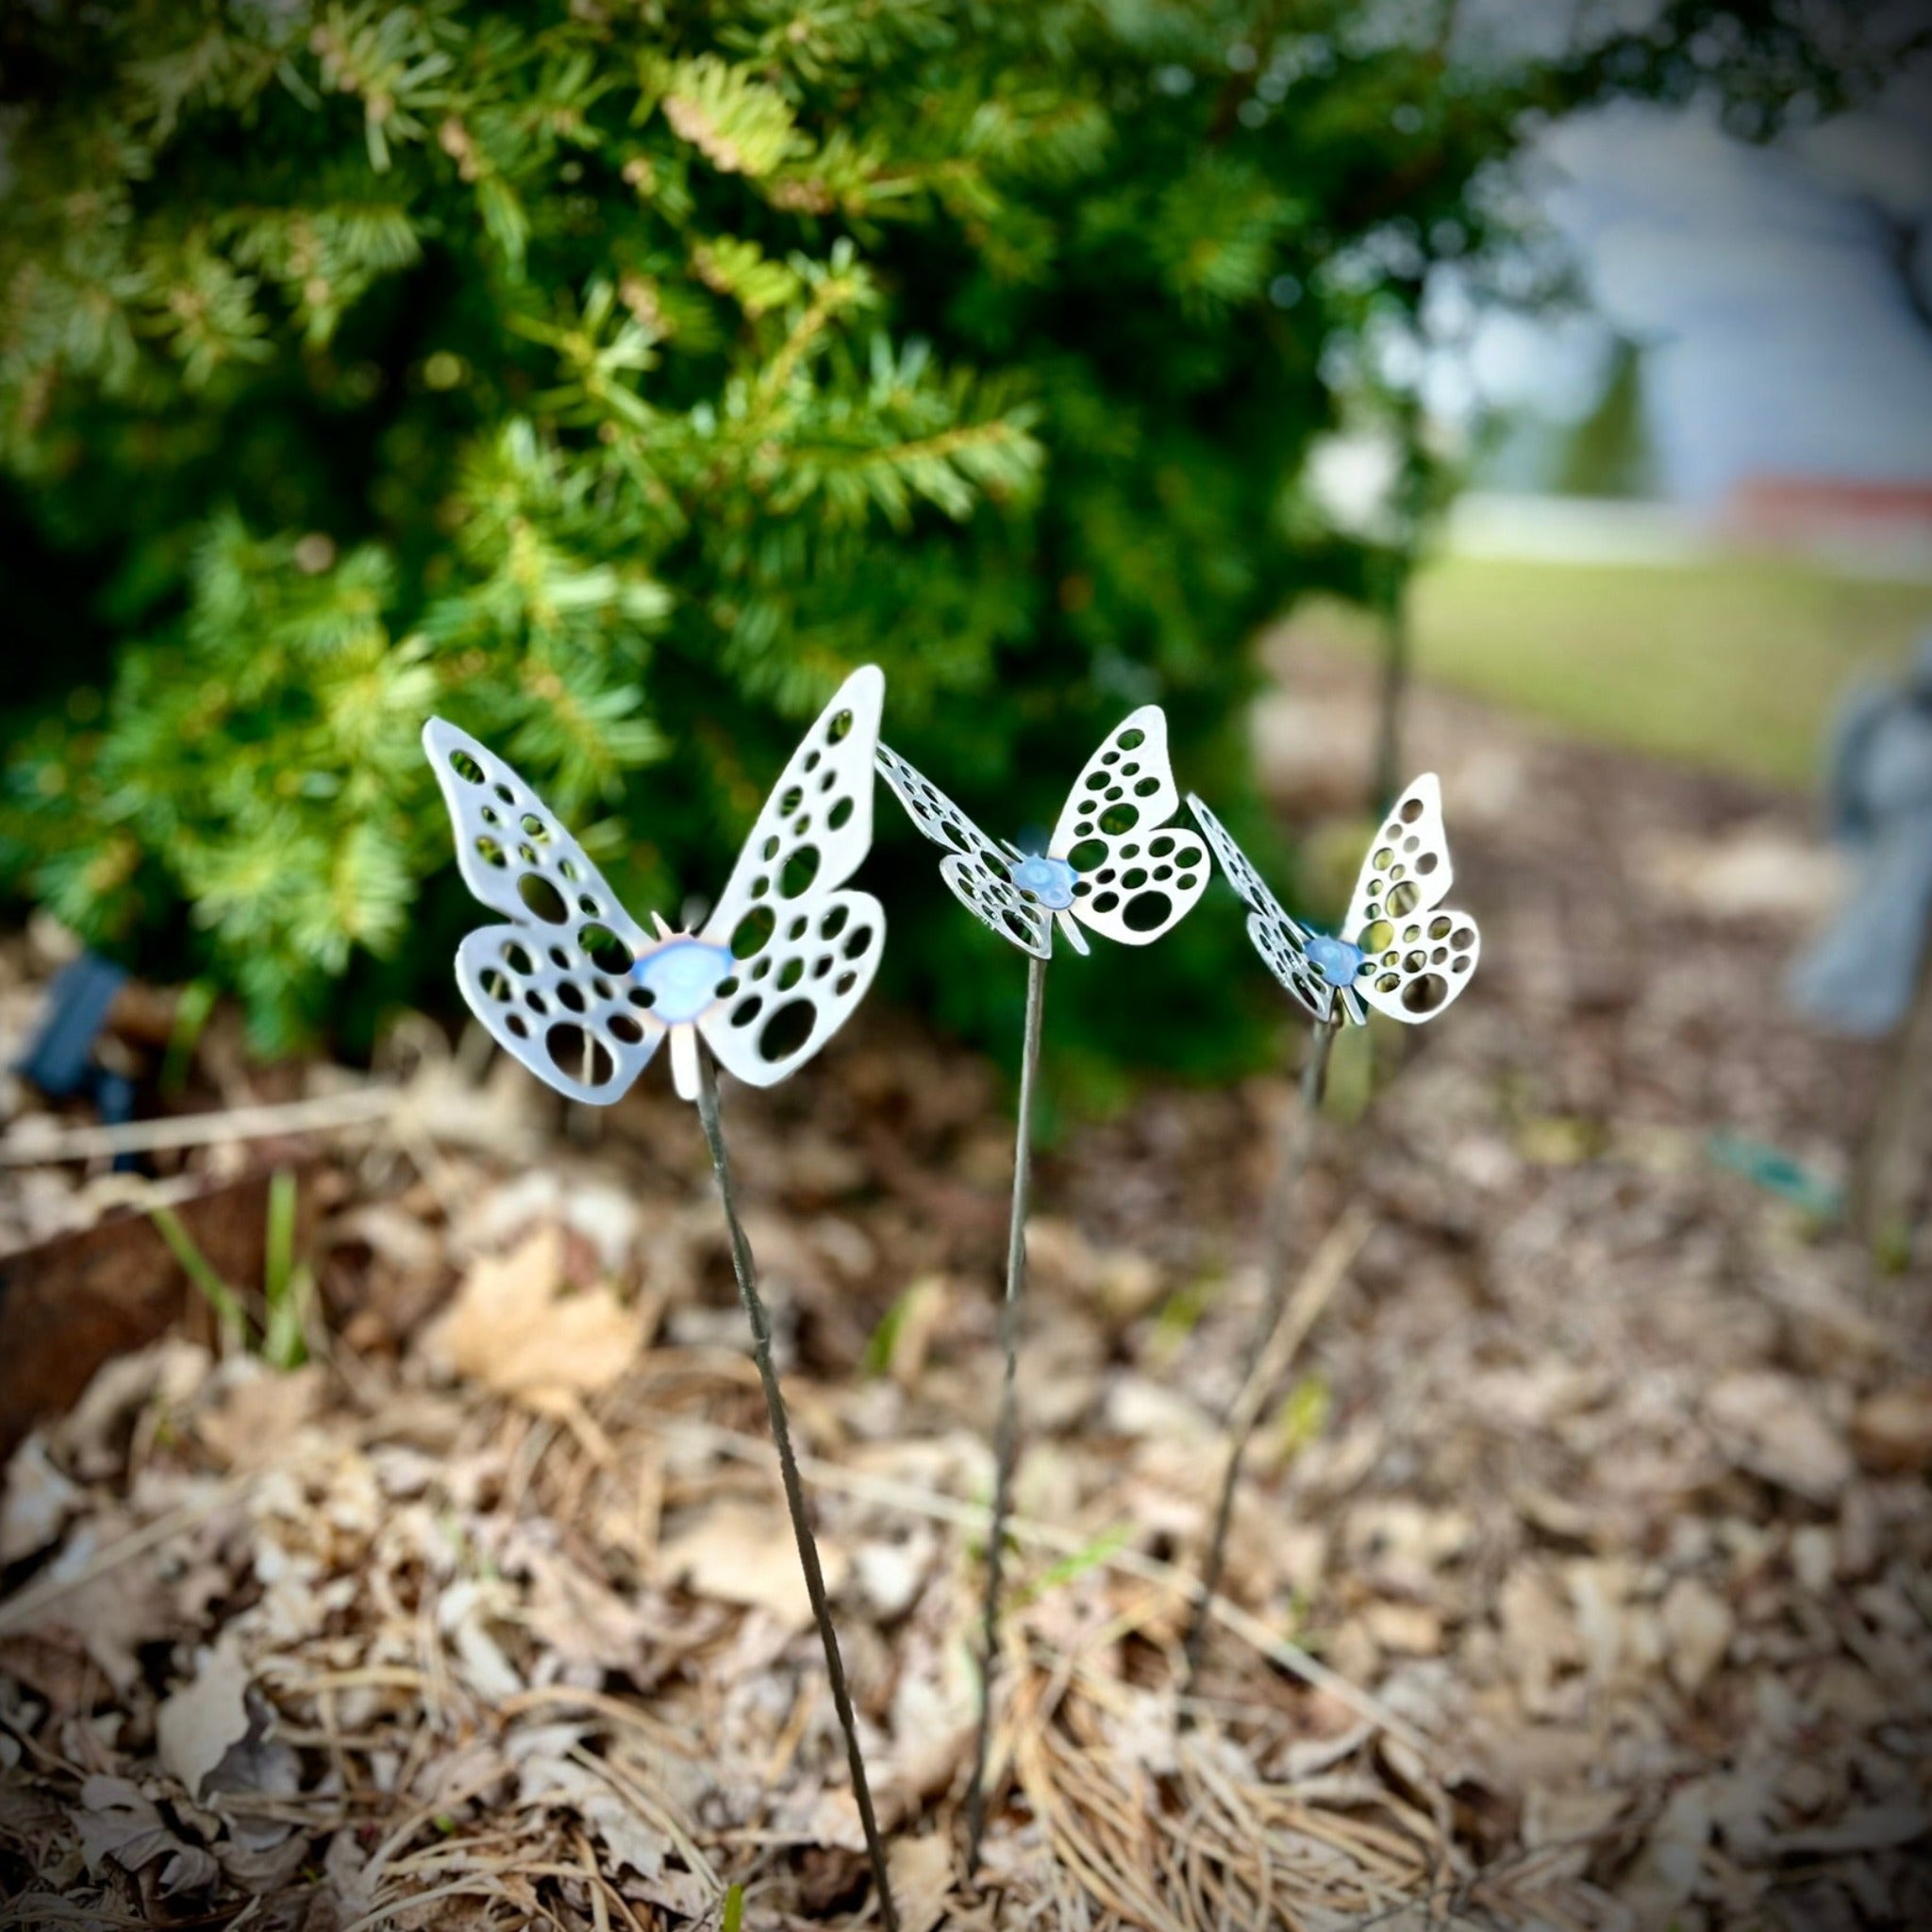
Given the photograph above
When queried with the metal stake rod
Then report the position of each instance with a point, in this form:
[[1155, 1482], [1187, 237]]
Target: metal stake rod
[[1245, 1412], [1006, 1429], [1879, 1195], [794, 1487]]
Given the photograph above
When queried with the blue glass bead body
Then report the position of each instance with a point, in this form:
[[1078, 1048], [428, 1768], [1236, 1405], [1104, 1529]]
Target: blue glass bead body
[[1336, 960], [1049, 880], [682, 977]]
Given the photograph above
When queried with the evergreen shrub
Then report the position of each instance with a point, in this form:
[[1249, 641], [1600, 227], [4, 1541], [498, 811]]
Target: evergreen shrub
[[613, 376]]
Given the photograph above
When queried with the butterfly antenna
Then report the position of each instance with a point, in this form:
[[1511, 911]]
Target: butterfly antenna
[[760, 1322], [1246, 1410], [1006, 1429]]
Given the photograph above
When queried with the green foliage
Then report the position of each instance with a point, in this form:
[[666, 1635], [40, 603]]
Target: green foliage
[[615, 374], [280, 1317]]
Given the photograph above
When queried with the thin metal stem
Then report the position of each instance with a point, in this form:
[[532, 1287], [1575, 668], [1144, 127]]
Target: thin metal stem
[[1876, 1198], [1298, 1140], [1007, 1429], [795, 1487]]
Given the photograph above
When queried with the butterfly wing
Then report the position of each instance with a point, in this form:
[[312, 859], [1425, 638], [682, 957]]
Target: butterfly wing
[[986, 891], [1422, 953], [1278, 939], [553, 987], [575, 1027], [979, 874], [807, 949], [1138, 876]]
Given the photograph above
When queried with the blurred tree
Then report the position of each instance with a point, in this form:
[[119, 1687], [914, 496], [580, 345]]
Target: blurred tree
[[1609, 451], [1904, 237], [616, 373]]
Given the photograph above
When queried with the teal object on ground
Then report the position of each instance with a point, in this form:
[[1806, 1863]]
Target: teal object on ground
[[1778, 1173]]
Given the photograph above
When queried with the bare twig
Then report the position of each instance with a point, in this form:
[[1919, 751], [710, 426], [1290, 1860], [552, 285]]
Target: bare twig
[[357, 1107], [1297, 1143], [1006, 1429], [23, 1611], [794, 1489]]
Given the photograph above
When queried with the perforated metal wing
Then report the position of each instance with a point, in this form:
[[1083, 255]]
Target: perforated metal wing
[[552, 985], [807, 949], [1421, 953], [979, 873], [1280, 939], [1138, 876]]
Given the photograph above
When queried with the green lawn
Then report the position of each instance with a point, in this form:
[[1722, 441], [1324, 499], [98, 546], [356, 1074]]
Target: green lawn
[[1735, 664]]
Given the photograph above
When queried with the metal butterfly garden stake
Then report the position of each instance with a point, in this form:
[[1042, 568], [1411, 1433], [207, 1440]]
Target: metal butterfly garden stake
[[1116, 867], [574, 987], [1401, 952]]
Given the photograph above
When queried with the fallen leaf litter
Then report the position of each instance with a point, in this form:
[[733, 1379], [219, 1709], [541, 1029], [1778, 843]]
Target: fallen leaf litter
[[1596, 1499]]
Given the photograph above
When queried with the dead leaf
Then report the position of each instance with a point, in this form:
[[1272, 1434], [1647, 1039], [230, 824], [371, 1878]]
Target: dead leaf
[[739, 1553], [1599, 1590], [1671, 1863], [38, 1500], [1124, 1282], [548, 1772], [892, 1574], [1697, 1624], [933, 1716], [391, 1233], [468, 1607], [579, 1618], [1400, 1534], [608, 1217], [501, 1115], [261, 1410], [1892, 1431], [921, 1872], [1412, 1628], [91, 1439], [117, 1823], [1136, 1406], [196, 1725], [56, 1665], [1555, 1517], [1877, 1830], [1563, 1815], [1814, 1556], [513, 1328], [115, 1608], [1769, 1425], [1538, 1634]]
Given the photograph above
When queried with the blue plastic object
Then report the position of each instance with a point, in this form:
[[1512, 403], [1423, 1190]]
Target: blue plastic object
[[1336, 960], [683, 978], [59, 1059], [1050, 881]]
